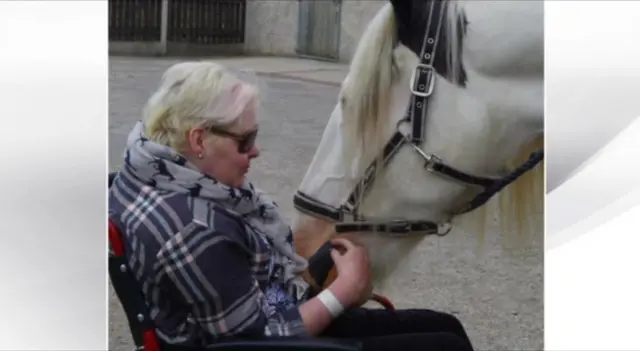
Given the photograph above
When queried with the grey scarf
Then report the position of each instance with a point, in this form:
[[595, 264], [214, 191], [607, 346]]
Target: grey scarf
[[169, 170]]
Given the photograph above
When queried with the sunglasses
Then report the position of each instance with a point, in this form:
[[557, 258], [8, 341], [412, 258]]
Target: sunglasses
[[245, 141]]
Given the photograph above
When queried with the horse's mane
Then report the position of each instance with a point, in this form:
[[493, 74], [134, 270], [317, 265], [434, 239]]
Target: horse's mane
[[364, 97], [379, 62]]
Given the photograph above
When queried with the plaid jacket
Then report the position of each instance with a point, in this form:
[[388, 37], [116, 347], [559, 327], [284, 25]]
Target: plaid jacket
[[203, 276]]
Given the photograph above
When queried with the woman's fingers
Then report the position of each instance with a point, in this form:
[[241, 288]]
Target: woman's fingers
[[343, 242]]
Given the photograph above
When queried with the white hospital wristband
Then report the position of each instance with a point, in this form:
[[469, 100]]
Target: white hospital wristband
[[331, 302]]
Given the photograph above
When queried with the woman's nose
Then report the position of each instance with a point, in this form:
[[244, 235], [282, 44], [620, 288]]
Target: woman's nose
[[254, 152]]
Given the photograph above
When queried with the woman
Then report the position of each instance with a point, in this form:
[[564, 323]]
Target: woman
[[211, 252]]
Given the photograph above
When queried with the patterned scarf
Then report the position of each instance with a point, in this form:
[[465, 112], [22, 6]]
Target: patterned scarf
[[168, 170]]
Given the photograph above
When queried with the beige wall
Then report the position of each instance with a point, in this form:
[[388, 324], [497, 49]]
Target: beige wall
[[271, 28], [356, 15], [272, 25]]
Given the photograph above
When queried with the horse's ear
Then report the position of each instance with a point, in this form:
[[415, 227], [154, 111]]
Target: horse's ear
[[402, 9]]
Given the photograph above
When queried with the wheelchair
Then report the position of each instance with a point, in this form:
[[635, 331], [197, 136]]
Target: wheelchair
[[143, 331]]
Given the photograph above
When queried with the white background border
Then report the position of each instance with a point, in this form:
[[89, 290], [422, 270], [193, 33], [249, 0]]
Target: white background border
[[53, 105], [592, 258], [53, 89]]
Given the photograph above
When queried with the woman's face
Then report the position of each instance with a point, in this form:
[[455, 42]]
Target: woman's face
[[227, 154]]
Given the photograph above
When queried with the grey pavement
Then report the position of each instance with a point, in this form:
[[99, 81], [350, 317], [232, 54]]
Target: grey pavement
[[497, 293]]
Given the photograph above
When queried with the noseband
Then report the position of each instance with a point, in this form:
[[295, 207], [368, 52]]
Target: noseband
[[422, 87]]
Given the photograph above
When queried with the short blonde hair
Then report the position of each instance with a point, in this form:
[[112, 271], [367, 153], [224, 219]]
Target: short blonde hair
[[195, 94]]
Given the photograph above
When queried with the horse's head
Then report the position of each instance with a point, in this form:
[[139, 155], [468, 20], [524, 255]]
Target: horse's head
[[442, 106]]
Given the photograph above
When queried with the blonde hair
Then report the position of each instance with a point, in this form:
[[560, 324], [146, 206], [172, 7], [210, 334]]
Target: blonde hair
[[194, 94]]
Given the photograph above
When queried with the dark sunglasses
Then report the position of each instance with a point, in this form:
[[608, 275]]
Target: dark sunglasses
[[245, 141]]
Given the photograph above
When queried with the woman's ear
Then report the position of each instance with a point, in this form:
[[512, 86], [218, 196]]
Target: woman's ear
[[195, 140]]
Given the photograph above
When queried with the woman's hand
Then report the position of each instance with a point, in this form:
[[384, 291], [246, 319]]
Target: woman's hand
[[353, 284], [351, 288]]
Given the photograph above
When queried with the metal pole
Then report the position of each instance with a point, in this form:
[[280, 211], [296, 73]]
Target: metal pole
[[164, 23]]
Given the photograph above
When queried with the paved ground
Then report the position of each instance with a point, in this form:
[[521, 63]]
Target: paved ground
[[498, 295]]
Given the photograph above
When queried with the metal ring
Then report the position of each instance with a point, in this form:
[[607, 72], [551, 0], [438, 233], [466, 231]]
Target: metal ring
[[444, 228]]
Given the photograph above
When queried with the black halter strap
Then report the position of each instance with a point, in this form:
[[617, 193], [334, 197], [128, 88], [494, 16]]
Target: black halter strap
[[423, 80]]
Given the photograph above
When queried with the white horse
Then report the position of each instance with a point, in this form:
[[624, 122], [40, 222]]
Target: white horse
[[484, 117]]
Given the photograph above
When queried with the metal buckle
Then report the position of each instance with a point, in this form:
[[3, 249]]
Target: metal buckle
[[429, 70], [399, 227], [431, 161], [444, 228]]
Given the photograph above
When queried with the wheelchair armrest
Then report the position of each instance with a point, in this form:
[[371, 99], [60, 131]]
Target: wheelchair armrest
[[275, 344], [283, 344]]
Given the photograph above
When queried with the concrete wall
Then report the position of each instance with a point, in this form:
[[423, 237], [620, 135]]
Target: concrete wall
[[356, 15], [271, 29], [272, 26]]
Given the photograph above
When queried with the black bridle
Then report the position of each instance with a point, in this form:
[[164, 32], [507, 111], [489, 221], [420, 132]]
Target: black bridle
[[422, 87]]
